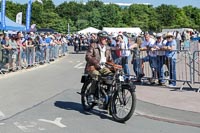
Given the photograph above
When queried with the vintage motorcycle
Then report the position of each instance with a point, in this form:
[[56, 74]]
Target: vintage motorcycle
[[114, 93]]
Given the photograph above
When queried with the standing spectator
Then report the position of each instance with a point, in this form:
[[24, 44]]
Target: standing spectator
[[43, 48], [113, 46], [147, 44], [187, 36], [136, 60], [178, 39], [1, 38], [37, 49], [171, 56], [30, 52], [52, 53], [13, 52], [64, 45], [153, 62], [5, 50], [118, 52], [21, 59], [59, 45], [125, 53], [76, 43], [47, 42], [159, 44]]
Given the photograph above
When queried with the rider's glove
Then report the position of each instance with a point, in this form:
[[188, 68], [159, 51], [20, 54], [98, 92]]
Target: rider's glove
[[97, 67]]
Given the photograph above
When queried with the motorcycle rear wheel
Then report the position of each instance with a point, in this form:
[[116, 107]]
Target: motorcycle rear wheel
[[87, 106]]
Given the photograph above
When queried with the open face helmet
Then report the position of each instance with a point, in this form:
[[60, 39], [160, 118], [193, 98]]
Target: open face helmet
[[102, 34]]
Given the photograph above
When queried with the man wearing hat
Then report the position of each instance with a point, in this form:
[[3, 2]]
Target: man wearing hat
[[160, 52], [171, 57], [96, 57]]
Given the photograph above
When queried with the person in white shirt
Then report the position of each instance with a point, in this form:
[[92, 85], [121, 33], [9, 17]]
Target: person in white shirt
[[160, 52], [96, 56], [147, 45], [125, 52]]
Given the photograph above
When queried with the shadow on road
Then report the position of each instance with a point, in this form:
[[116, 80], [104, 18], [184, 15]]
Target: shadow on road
[[78, 107]]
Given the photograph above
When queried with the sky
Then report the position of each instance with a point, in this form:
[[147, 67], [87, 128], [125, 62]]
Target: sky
[[155, 3]]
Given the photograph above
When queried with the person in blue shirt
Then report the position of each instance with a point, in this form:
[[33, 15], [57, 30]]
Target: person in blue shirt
[[171, 56]]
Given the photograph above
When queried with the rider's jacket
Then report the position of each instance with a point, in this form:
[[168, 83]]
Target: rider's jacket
[[93, 56]]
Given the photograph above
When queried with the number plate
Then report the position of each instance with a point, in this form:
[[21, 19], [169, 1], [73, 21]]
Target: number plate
[[121, 78]]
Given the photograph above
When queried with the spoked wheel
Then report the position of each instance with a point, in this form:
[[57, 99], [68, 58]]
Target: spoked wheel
[[123, 104], [87, 106]]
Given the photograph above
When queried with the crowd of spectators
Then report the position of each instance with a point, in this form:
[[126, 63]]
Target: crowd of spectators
[[158, 49], [21, 51]]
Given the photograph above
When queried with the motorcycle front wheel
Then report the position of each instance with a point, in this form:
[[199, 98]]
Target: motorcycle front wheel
[[122, 104]]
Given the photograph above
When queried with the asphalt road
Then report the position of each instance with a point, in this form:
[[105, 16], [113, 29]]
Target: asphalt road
[[45, 100]]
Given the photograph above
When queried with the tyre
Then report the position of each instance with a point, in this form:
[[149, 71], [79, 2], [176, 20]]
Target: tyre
[[84, 96], [122, 105]]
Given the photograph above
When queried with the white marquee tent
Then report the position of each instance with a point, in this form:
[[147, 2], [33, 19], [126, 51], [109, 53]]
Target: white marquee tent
[[133, 30], [88, 30], [180, 30]]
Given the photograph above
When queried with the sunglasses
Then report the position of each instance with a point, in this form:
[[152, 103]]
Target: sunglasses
[[104, 38]]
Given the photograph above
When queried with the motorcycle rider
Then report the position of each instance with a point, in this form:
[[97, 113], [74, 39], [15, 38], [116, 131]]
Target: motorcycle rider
[[97, 55]]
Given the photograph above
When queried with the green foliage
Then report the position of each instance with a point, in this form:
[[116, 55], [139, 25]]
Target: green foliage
[[94, 18], [93, 4], [110, 16], [94, 13]]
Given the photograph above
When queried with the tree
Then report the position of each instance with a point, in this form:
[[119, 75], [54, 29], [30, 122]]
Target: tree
[[37, 14], [110, 15], [70, 10], [193, 16], [167, 15], [48, 5], [93, 4], [143, 16], [15, 9], [94, 18]]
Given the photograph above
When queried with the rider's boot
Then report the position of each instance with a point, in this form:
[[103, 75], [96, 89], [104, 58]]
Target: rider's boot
[[92, 91]]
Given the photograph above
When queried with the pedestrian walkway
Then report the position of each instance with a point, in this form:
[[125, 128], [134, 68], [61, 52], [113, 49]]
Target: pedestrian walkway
[[187, 100]]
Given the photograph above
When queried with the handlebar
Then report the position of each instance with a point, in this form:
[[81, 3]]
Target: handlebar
[[113, 66]]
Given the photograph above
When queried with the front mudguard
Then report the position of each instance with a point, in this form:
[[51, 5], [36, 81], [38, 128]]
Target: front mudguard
[[129, 85]]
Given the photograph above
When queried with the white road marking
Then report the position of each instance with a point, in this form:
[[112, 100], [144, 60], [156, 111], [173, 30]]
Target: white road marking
[[79, 66], [57, 122], [2, 115], [41, 129], [26, 127], [2, 124], [21, 127], [31, 124]]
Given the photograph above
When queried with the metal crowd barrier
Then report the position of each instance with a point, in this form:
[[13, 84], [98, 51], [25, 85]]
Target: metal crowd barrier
[[196, 68], [183, 67], [187, 66], [12, 60]]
